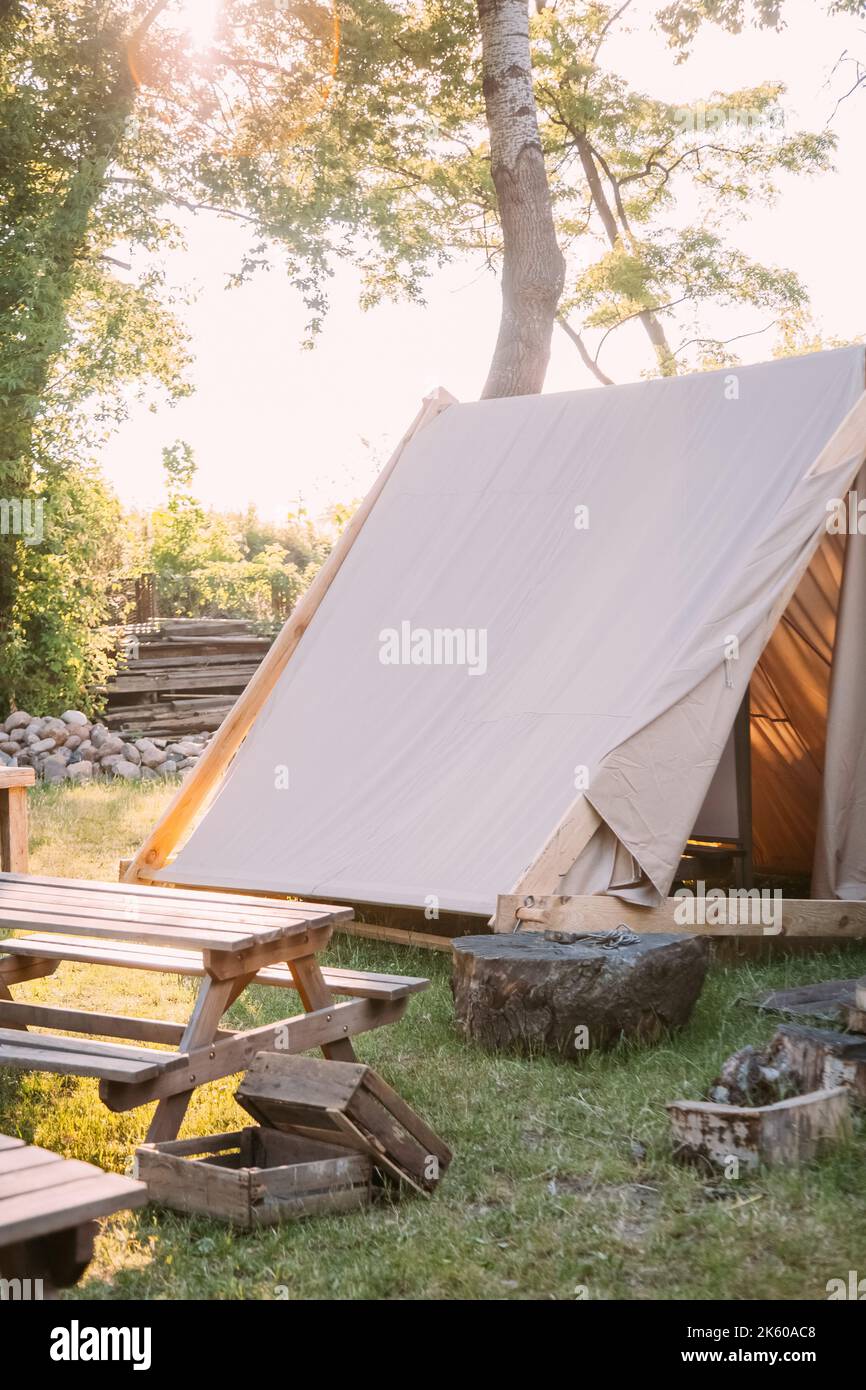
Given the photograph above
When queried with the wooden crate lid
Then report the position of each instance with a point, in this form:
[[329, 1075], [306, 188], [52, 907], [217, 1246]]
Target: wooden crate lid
[[344, 1103]]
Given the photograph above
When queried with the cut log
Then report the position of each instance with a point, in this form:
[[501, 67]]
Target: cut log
[[823, 1059], [790, 1131], [525, 993]]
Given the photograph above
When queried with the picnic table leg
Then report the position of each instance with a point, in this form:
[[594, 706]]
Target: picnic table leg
[[56, 1261], [307, 975], [13, 830], [214, 997], [6, 995]]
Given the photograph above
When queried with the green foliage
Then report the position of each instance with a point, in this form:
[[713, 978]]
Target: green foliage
[[56, 646], [683, 18], [74, 338], [212, 565], [621, 162]]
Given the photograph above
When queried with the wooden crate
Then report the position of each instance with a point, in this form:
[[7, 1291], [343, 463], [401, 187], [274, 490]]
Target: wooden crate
[[254, 1177], [790, 1131], [345, 1103]]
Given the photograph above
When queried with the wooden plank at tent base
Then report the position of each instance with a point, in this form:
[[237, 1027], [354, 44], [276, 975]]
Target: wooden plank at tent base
[[400, 936], [748, 915]]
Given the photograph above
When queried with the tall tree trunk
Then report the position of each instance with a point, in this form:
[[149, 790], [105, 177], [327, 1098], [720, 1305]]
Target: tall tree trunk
[[533, 271]]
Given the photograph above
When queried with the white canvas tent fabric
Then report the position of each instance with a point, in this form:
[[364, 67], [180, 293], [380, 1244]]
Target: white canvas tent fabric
[[598, 647]]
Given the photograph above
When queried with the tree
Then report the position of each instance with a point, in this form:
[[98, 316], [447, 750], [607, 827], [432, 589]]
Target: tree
[[394, 133], [533, 267], [623, 160]]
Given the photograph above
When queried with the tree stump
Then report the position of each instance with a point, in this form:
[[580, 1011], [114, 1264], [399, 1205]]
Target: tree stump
[[524, 993]]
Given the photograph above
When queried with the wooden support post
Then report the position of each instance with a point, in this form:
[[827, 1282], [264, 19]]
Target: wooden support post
[[14, 782], [307, 975], [214, 997]]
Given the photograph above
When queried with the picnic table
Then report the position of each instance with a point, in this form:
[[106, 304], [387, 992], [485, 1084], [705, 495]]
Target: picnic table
[[226, 940], [48, 1211]]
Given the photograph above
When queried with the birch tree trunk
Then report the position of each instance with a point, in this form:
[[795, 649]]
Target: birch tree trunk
[[533, 270]]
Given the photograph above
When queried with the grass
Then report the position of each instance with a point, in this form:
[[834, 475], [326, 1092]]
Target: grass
[[563, 1185]]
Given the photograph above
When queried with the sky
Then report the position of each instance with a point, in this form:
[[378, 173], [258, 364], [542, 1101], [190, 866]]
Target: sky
[[276, 425]]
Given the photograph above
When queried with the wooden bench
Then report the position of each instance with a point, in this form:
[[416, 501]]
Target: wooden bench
[[48, 1212], [228, 941], [356, 984]]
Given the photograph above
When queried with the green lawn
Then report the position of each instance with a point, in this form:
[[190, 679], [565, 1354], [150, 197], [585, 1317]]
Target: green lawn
[[562, 1179]]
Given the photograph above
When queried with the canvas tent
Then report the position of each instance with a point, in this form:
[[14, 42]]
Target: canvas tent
[[520, 668]]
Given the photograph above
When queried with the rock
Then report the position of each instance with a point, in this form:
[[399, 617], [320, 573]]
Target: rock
[[54, 769], [86, 751], [42, 745], [61, 755], [130, 772], [5, 760], [80, 772], [148, 774], [98, 735], [187, 749], [24, 758], [168, 768], [110, 760], [8, 745], [18, 735], [56, 729], [18, 720], [131, 753], [524, 993], [75, 718], [150, 755], [73, 742], [108, 744], [34, 731]]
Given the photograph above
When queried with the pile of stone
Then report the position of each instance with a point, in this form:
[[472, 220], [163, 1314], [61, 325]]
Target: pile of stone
[[75, 749]]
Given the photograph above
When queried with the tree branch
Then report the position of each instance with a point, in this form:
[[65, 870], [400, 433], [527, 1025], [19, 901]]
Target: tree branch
[[582, 349], [723, 342], [163, 196]]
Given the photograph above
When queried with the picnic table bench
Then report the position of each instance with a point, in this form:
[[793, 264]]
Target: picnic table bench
[[48, 1211], [226, 940]]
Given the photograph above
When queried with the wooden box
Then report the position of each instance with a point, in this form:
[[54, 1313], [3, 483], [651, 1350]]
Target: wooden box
[[348, 1104], [789, 1131], [254, 1177]]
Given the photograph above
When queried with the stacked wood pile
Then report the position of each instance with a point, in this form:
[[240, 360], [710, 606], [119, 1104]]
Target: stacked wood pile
[[182, 675]]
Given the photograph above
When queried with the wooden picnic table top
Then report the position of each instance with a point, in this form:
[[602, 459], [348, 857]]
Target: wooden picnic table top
[[159, 916], [41, 1193]]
